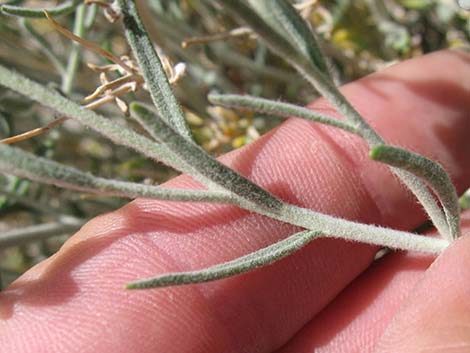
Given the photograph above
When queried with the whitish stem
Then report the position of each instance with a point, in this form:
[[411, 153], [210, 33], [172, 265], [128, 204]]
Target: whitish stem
[[370, 234]]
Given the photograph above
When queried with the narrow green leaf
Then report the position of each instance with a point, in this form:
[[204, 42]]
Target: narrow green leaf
[[152, 69], [203, 163], [275, 41], [90, 16], [263, 10], [429, 170], [263, 257], [299, 31], [27, 165], [59, 10], [44, 46], [147, 147], [286, 110], [73, 62], [264, 203], [425, 198]]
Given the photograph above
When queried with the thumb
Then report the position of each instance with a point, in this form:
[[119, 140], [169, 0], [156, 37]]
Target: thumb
[[436, 317]]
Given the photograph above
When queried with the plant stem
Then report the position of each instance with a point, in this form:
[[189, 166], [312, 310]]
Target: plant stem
[[74, 58], [37, 232], [370, 234], [253, 198]]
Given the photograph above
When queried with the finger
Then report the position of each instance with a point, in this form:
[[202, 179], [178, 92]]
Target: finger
[[436, 316], [312, 166]]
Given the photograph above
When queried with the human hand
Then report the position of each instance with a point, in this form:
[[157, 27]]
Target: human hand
[[326, 297]]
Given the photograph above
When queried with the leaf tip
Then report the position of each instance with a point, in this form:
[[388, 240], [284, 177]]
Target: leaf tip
[[212, 97], [137, 108], [144, 284], [131, 285], [375, 152]]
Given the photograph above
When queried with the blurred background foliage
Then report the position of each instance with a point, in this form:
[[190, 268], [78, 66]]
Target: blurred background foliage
[[360, 37]]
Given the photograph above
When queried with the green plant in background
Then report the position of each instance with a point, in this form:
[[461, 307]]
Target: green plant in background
[[279, 26]]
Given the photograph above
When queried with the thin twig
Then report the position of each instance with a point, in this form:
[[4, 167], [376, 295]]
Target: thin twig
[[90, 45], [34, 132]]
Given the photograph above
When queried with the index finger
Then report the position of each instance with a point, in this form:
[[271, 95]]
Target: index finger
[[74, 301]]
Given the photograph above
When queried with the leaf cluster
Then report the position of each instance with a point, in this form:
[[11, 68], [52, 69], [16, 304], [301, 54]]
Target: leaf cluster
[[164, 136]]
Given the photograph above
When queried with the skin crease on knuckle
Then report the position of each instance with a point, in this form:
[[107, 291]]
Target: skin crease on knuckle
[[74, 301]]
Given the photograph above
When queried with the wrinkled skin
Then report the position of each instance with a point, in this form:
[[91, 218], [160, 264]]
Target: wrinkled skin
[[328, 297]]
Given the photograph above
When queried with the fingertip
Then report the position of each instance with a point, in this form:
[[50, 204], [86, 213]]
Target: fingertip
[[436, 315]]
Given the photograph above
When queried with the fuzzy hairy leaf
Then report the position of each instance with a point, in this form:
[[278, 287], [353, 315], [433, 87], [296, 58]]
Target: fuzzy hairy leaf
[[20, 163], [299, 31], [152, 69], [286, 110], [429, 170], [263, 257]]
